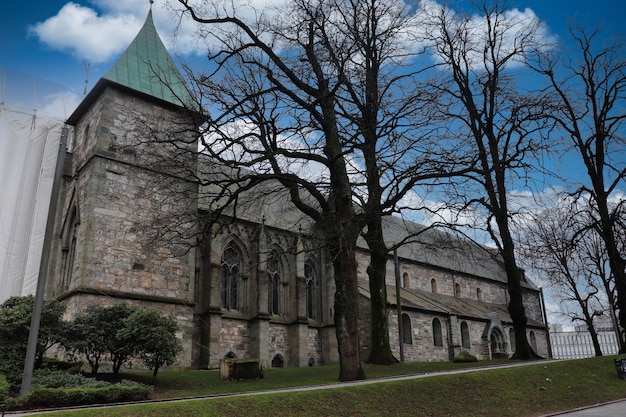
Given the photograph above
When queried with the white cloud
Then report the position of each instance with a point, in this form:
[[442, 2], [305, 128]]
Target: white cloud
[[85, 34], [513, 25]]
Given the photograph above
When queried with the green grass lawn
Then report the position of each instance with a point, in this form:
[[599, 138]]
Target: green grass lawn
[[533, 390]]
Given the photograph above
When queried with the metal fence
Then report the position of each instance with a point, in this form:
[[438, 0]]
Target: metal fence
[[576, 345]]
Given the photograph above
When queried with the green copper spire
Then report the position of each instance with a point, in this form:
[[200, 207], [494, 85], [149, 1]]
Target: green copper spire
[[147, 67]]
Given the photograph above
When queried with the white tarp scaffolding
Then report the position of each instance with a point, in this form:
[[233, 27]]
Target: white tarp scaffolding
[[29, 143]]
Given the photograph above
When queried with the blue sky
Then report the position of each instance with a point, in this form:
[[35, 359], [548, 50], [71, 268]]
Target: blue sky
[[53, 39]]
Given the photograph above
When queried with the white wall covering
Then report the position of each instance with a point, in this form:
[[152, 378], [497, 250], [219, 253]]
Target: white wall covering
[[28, 153]]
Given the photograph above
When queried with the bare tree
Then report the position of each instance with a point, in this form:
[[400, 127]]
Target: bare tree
[[559, 246], [590, 85], [320, 101], [497, 118]]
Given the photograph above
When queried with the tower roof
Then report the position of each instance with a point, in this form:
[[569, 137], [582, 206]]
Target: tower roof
[[145, 67]]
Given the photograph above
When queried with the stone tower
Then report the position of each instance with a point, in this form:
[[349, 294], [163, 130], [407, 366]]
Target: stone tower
[[117, 188]]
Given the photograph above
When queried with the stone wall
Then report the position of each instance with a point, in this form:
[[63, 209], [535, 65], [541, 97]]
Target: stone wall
[[233, 337]]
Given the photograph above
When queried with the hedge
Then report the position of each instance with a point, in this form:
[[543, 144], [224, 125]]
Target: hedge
[[66, 397]]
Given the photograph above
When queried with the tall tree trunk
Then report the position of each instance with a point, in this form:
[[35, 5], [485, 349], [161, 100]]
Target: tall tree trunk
[[616, 261], [523, 350], [343, 247], [380, 349]]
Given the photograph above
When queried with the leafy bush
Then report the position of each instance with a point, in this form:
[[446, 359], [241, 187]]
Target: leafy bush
[[66, 397], [465, 356], [15, 317], [152, 337], [49, 378], [4, 389], [94, 335]]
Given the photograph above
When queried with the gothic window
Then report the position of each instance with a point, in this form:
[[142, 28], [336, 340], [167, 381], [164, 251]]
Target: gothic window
[[433, 285], [312, 287], [69, 250], [230, 276], [479, 294], [465, 336], [407, 331], [405, 280], [274, 279], [457, 290], [437, 335]]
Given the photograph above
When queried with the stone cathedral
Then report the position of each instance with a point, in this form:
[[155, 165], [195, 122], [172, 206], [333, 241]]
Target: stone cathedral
[[259, 286]]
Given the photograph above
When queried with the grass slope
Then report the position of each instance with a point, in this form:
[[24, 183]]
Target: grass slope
[[533, 390]]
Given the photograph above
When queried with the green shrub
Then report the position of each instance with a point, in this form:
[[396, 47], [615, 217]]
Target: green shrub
[[51, 378], [66, 397], [465, 356], [4, 389]]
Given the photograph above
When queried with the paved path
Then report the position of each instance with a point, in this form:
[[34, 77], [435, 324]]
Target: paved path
[[612, 409]]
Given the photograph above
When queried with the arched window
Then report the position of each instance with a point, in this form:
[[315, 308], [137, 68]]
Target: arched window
[[498, 346], [433, 285], [512, 339], [479, 294], [465, 336], [533, 341], [406, 283], [278, 361], [230, 276], [69, 249], [457, 290], [407, 331], [230, 355], [274, 275], [437, 336], [312, 296]]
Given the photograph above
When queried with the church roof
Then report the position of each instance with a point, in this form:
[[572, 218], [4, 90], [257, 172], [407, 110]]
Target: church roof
[[147, 67]]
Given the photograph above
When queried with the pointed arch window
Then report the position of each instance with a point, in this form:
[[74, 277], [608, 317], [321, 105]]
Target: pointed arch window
[[230, 277], [69, 249], [274, 279], [479, 294], [312, 295], [457, 290], [433, 285]]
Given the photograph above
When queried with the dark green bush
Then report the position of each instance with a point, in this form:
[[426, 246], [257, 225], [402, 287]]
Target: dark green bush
[[4, 389], [51, 378], [66, 397], [465, 356]]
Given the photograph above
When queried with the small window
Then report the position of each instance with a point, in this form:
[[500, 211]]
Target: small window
[[533, 341], [479, 294], [407, 331], [465, 336], [278, 362], [433, 285], [437, 336], [457, 290], [405, 280]]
